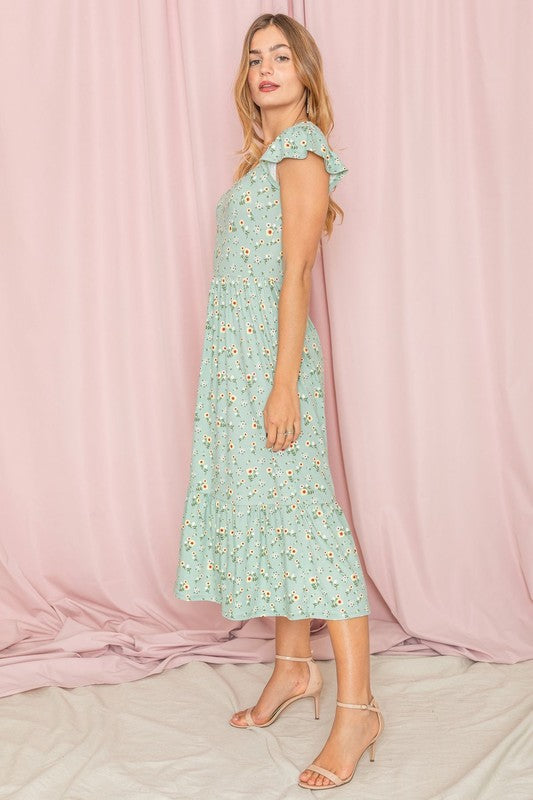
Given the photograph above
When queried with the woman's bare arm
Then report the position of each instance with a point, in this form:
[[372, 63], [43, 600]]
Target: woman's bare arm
[[304, 201]]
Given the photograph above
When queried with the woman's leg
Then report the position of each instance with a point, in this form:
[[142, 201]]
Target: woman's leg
[[353, 728], [288, 677]]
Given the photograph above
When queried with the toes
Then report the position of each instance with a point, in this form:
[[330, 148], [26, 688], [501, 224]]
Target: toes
[[307, 777], [313, 780], [316, 779]]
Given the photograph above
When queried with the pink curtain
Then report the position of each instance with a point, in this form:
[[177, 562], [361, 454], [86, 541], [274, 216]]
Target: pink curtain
[[118, 135]]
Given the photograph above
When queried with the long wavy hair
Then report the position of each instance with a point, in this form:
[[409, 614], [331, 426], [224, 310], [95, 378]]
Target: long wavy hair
[[308, 65]]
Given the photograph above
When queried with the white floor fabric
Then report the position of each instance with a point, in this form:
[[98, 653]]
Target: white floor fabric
[[455, 729]]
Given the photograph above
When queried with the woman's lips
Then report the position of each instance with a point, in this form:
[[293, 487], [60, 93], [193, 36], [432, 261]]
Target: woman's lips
[[268, 88]]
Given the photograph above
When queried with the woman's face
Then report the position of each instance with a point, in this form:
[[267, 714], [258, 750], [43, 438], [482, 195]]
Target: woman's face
[[273, 64]]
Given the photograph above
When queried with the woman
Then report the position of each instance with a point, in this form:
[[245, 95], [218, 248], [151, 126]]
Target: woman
[[262, 532]]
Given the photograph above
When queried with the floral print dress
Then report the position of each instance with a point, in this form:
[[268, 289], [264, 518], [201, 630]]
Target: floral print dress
[[262, 533]]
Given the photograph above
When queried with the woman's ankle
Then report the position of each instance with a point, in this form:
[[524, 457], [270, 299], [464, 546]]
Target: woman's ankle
[[355, 696]]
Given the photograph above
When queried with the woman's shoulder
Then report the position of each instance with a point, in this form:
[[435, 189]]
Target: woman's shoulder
[[298, 140], [295, 138]]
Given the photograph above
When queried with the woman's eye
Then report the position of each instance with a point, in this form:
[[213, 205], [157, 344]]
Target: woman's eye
[[285, 58]]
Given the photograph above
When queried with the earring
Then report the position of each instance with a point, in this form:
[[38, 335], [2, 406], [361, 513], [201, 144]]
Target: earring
[[307, 103]]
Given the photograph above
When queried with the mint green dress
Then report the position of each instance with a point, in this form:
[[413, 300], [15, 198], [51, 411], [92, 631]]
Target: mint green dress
[[262, 533]]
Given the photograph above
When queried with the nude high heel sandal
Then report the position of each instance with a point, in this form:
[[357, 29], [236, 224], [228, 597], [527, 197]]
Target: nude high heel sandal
[[372, 706], [314, 687]]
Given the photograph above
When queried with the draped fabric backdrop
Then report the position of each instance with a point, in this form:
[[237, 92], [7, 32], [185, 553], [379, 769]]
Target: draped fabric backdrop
[[118, 135]]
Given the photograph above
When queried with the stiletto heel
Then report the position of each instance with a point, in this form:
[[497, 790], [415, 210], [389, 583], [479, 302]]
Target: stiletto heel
[[317, 705], [335, 780], [313, 689]]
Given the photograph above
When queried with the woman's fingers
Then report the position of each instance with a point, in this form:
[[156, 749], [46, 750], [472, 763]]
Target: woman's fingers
[[276, 437], [281, 417]]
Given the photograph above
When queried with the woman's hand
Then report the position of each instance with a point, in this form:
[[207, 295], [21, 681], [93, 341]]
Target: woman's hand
[[282, 413]]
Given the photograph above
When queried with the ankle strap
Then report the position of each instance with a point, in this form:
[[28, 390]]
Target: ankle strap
[[295, 658], [372, 706]]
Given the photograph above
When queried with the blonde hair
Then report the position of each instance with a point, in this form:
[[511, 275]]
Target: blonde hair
[[308, 64]]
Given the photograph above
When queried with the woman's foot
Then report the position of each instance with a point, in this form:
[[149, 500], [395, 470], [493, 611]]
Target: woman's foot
[[287, 679], [352, 731]]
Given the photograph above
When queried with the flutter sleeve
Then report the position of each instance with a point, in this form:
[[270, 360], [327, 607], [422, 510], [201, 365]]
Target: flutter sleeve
[[299, 140]]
